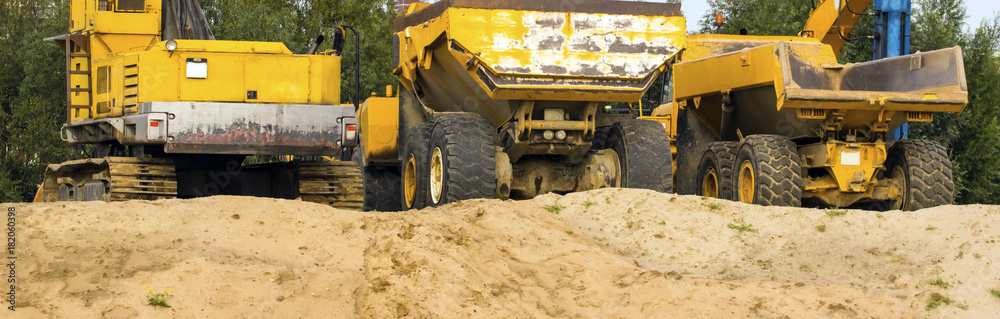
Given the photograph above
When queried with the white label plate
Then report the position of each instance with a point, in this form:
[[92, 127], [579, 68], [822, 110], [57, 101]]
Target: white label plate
[[196, 70], [852, 158]]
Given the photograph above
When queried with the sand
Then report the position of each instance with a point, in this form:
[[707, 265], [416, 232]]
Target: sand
[[610, 253]]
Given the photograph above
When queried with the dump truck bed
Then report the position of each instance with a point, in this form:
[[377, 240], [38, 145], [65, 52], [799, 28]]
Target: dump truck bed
[[776, 82], [466, 55]]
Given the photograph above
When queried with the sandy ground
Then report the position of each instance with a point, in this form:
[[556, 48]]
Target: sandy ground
[[630, 254]]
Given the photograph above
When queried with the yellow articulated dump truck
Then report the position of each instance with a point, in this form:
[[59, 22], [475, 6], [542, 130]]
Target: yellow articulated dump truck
[[777, 121], [501, 99], [173, 112]]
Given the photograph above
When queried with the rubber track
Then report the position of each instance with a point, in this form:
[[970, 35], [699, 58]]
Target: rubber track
[[779, 176], [930, 176], [723, 154], [418, 139], [336, 184], [644, 154], [467, 142]]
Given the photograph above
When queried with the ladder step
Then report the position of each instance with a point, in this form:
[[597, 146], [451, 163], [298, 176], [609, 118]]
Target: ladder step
[[79, 89], [79, 55], [79, 106], [80, 72]]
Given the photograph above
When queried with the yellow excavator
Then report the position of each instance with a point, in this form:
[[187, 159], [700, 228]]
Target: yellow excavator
[[172, 112]]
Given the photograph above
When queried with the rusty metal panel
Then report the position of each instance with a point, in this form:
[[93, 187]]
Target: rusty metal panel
[[252, 129], [572, 44], [581, 6]]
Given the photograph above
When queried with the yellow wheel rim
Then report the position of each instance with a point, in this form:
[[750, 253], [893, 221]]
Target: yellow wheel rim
[[899, 175], [410, 181], [747, 182], [710, 183], [437, 175]]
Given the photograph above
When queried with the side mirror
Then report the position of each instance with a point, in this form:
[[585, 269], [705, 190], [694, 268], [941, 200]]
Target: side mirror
[[338, 40]]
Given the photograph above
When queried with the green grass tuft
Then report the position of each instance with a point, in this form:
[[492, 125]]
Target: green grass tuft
[[936, 300], [569, 232], [158, 299], [589, 203], [836, 212], [930, 227], [555, 208], [939, 282], [996, 293], [713, 206], [742, 226]]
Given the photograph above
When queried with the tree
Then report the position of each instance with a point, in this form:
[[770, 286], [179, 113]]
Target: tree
[[32, 94], [758, 17]]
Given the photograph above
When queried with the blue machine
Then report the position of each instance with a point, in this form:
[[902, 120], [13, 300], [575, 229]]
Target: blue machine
[[892, 39]]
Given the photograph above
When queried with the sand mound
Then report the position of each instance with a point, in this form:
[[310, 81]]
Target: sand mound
[[605, 254]]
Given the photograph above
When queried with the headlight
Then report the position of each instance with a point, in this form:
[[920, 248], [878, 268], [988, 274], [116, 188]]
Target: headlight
[[171, 45]]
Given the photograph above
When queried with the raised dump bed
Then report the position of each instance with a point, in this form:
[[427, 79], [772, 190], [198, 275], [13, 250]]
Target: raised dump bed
[[474, 55]]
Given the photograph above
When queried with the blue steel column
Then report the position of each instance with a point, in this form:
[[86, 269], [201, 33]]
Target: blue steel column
[[892, 29]]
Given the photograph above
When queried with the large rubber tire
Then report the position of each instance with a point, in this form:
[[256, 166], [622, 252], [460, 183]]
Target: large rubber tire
[[381, 188], [715, 172], [461, 163], [643, 149], [767, 172], [414, 178], [925, 170]]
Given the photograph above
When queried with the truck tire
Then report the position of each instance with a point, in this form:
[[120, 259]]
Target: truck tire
[[767, 172], [600, 141], [381, 188], [643, 149], [414, 178], [925, 171], [461, 163], [715, 171]]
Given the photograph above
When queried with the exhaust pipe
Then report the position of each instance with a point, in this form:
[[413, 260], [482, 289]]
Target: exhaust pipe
[[315, 45]]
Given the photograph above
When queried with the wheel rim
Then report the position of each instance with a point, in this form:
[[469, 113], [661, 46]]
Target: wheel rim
[[747, 182], [437, 175], [710, 183], [410, 181], [899, 174]]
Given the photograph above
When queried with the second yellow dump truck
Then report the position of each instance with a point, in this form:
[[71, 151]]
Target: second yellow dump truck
[[777, 121], [500, 99]]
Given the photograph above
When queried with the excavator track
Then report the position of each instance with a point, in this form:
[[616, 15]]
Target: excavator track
[[110, 179], [336, 184]]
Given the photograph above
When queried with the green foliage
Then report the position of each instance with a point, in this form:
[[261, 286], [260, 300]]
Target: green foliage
[[939, 282], [589, 203], [930, 227], [158, 299], [995, 293], [32, 95], [742, 226], [936, 300], [758, 17], [555, 208], [713, 206], [836, 212]]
